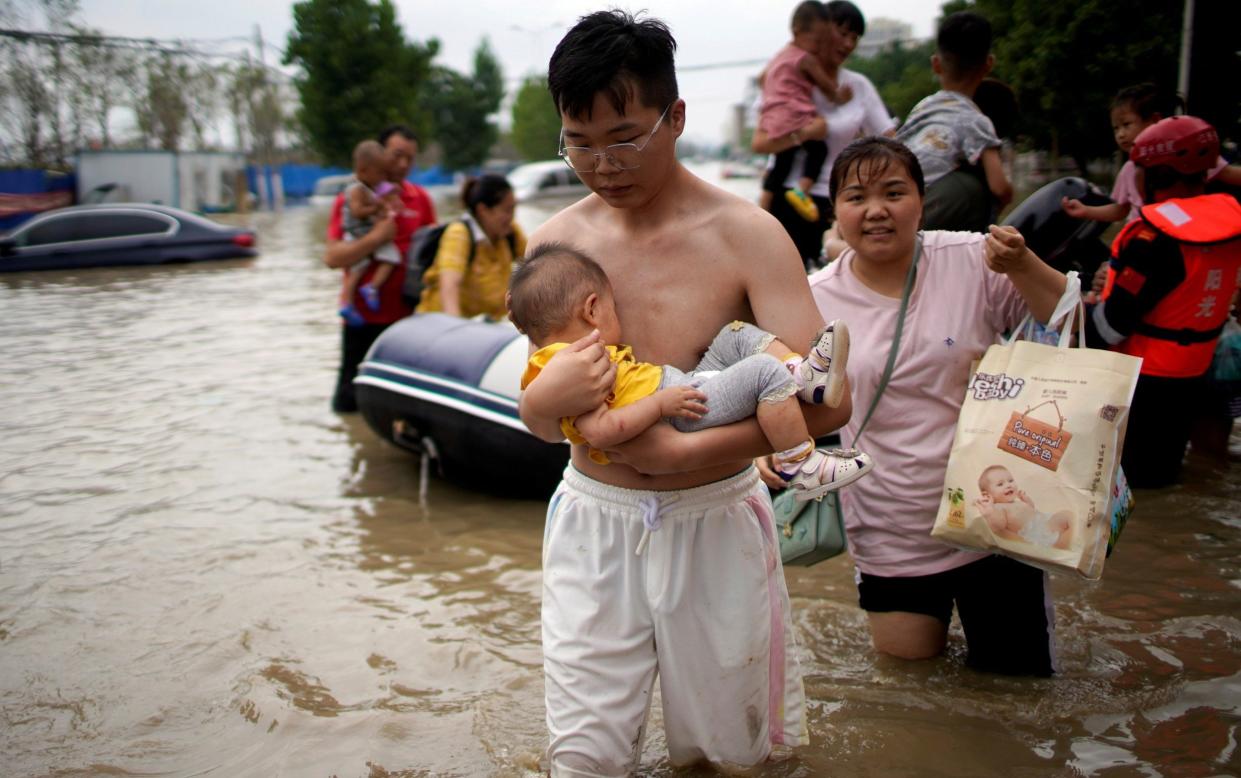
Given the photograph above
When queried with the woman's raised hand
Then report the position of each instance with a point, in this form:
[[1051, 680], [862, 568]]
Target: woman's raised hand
[[1005, 250]]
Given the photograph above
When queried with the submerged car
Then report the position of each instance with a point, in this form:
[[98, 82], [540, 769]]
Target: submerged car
[[119, 234]]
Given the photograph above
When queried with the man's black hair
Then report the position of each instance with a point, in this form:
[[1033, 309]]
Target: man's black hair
[[614, 53], [396, 129], [963, 43], [805, 15], [847, 15]]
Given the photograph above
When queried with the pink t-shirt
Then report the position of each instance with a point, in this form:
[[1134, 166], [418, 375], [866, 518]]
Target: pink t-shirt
[[957, 309], [1125, 189]]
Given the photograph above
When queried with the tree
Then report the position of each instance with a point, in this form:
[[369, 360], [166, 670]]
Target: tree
[[1065, 59], [461, 109], [901, 74], [536, 122], [359, 73]]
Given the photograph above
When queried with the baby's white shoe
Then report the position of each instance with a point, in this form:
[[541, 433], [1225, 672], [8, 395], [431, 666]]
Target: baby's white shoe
[[821, 375], [827, 470]]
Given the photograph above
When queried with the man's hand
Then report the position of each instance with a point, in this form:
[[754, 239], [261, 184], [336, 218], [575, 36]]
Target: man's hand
[[579, 377], [1005, 250], [684, 401], [767, 472], [843, 95]]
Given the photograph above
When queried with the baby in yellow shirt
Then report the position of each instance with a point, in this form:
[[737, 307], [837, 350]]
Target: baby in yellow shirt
[[558, 295]]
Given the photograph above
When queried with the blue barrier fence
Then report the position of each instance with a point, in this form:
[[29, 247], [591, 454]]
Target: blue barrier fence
[[299, 180], [22, 190]]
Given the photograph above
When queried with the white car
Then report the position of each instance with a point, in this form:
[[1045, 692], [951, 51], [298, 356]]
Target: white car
[[327, 188], [552, 178]]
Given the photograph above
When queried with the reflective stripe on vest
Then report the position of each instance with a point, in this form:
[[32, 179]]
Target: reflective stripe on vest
[[1177, 337]]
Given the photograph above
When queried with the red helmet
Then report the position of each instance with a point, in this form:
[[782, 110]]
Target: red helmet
[[1184, 143]]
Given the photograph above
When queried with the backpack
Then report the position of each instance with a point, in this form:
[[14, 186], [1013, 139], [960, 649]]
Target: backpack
[[423, 247]]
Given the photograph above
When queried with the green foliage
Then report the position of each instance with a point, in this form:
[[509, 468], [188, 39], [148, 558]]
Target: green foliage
[[901, 74], [461, 108], [359, 73], [536, 122], [1066, 59]]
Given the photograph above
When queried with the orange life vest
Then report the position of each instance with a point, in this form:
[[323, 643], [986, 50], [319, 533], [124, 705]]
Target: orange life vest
[[1177, 337]]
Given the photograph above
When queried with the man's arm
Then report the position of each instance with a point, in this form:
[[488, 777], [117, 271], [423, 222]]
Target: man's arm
[[346, 253], [997, 181]]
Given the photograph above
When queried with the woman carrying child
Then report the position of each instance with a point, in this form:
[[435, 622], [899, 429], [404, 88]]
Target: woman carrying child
[[788, 111], [966, 290], [863, 114], [475, 259]]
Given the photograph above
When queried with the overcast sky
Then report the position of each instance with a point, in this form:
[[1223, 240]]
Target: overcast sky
[[523, 34]]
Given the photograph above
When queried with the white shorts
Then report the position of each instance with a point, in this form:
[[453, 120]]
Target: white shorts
[[704, 606]]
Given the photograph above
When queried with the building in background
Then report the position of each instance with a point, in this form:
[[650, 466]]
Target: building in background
[[882, 33], [191, 180]]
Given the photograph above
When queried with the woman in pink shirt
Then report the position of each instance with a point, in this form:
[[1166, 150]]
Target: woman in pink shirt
[[967, 290]]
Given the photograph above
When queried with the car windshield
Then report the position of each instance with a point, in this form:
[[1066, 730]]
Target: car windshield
[[332, 185]]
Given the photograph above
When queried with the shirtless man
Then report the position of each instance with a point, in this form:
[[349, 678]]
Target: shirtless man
[[705, 604]]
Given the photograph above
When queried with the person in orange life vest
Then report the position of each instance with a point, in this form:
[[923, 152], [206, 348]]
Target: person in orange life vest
[[1172, 280]]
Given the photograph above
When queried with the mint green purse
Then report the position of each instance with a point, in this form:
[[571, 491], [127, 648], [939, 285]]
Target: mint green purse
[[813, 530]]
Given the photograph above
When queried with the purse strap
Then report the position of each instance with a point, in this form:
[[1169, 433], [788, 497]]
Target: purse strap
[[896, 338]]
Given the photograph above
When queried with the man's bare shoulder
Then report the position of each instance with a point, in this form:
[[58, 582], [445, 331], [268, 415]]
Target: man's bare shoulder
[[568, 223], [742, 223]]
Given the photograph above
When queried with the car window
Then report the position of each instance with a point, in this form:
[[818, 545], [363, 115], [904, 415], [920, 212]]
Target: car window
[[54, 230], [94, 226]]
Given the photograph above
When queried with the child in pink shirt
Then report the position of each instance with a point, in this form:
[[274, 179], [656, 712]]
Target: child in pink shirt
[[1134, 109]]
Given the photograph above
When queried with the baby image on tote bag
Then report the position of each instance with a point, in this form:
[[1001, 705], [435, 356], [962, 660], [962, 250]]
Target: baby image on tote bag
[[1037, 449]]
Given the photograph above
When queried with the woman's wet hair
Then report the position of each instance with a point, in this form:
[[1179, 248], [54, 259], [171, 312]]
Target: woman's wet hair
[[614, 53], [874, 154], [488, 190], [847, 15], [1147, 100], [548, 285]]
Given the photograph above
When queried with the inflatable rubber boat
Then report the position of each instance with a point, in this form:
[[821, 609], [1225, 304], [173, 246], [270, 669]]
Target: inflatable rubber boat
[[446, 389]]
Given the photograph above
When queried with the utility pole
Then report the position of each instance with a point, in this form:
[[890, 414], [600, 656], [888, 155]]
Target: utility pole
[[1187, 47]]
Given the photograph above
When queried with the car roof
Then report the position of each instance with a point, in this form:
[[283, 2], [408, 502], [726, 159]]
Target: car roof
[[175, 213]]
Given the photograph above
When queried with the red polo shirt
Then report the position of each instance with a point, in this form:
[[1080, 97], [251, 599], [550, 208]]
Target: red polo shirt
[[418, 211]]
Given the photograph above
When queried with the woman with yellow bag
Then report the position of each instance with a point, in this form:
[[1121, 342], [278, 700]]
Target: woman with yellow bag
[[934, 302]]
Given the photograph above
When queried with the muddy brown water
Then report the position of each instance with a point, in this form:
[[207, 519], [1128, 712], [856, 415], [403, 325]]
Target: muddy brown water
[[205, 572]]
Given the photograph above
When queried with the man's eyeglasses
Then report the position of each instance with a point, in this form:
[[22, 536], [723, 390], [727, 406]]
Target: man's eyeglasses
[[623, 156]]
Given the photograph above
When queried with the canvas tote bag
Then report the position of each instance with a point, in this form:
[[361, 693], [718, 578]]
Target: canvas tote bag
[[1036, 457]]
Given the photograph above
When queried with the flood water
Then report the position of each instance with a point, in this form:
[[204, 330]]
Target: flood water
[[203, 571]]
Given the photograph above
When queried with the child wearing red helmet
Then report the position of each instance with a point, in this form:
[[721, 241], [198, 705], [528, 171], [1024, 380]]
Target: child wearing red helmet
[[1170, 287]]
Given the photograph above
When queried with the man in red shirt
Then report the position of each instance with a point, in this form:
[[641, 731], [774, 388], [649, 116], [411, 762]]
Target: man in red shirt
[[418, 210]]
